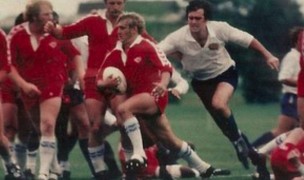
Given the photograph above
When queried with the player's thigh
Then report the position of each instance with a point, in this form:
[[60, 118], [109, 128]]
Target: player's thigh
[[49, 109], [285, 123], [10, 114], [222, 94], [142, 103], [95, 109]]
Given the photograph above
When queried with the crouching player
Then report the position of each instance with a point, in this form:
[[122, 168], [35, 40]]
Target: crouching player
[[161, 162]]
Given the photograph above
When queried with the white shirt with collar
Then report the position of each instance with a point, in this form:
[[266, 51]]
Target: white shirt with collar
[[290, 68], [206, 62]]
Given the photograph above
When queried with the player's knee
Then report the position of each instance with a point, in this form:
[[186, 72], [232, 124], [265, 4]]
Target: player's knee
[[219, 106], [84, 126], [122, 111], [47, 127]]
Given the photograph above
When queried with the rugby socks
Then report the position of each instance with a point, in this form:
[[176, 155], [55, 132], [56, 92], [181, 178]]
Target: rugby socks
[[20, 154], [132, 129], [265, 138], [6, 158], [97, 158], [47, 151], [192, 158], [267, 148], [110, 158], [65, 146], [83, 144], [55, 167], [228, 127], [31, 157], [65, 166]]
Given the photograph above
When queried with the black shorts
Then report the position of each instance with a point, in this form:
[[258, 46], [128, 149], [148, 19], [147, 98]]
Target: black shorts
[[229, 76], [72, 97]]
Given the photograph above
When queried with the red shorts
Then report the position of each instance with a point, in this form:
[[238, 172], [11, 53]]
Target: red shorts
[[90, 90], [282, 168], [9, 92], [51, 90], [161, 102], [301, 84], [152, 162]]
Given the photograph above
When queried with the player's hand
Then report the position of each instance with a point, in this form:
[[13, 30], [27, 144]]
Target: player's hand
[[159, 90], [175, 93], [81, 83], [273, 62], [49, 27], [31, 90], [109, 82]]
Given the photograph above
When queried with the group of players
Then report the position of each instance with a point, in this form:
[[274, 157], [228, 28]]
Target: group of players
[[50, 88]]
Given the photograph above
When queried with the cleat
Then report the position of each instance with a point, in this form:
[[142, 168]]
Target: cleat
[[208, 173], [14, 172], [262, 169], [242, 151], [211, 171], [42, 177], [114, 174], [29, 175], [101, 175], [164, 174], [136, 164], [66, 175], [221, 172], [53, 176]]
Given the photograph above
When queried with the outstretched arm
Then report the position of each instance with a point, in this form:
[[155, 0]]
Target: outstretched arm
[[271, 60]]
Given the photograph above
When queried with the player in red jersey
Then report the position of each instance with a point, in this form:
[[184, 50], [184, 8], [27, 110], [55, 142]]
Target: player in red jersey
[[147, 71], [102, 37], [6, 69], [39, 59]]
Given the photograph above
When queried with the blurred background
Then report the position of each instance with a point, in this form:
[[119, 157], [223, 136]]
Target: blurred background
[[269, 21]]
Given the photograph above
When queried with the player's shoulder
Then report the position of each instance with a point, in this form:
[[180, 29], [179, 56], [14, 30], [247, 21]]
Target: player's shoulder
[[218, 24], [2, 34], [16, 30]]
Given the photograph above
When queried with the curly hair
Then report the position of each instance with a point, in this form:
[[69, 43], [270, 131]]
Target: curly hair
[[200, 4]]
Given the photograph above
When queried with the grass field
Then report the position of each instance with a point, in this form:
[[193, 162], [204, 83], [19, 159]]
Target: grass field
[[191, 122]]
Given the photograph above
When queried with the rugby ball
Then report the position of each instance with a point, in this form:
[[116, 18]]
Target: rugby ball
[[116, 73]]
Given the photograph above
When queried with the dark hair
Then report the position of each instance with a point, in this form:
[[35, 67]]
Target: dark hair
[[55, 17], [20, 19], [294, 35], [105, 1], [200, 4]]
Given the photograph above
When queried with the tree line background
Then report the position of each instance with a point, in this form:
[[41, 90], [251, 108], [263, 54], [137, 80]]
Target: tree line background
[[268, 20]]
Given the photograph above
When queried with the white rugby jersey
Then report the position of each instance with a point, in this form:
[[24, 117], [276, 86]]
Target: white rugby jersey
[[211, 60], [290, 68]]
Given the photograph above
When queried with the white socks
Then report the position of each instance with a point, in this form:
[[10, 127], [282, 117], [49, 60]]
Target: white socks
[[267, 148], [193, 159], [47, 151], [97, 157], [133, 130]]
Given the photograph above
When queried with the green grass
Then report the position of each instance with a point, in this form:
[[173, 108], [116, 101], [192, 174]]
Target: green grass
[[191, 122]]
